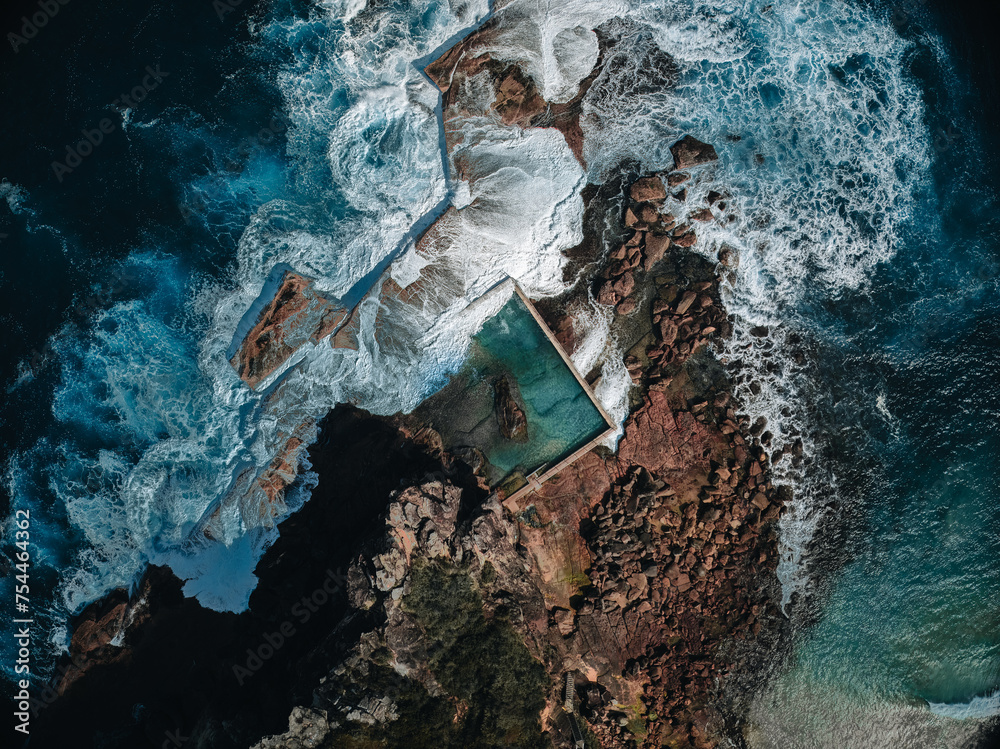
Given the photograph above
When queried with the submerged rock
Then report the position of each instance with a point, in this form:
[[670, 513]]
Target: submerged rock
[[510, 415]]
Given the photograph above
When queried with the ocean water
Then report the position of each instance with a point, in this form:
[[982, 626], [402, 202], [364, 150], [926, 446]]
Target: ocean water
[[859, 169]]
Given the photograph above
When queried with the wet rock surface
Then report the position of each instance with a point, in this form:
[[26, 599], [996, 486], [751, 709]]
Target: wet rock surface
[[655, 221], [690, 152], [296, 315], [657, 563], [510, 415], [217, 678]]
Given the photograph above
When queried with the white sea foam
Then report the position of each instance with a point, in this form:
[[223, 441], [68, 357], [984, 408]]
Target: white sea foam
[[521, 208], [554, 42], [364, 131], [831, 719], [596, 347], [978, 708], [178, 432]]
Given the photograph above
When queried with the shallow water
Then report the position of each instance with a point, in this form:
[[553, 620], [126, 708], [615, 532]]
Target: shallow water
[[560, 415]]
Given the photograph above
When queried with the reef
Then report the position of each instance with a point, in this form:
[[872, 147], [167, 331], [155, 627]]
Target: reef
[[510, 415]]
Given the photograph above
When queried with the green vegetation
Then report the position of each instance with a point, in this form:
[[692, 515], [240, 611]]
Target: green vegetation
[[484, 663], [636, 714], [496, 688], [424, 722]]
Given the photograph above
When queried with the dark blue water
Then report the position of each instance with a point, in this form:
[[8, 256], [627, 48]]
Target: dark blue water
[[162, 161], [909, 391], [123, 228]]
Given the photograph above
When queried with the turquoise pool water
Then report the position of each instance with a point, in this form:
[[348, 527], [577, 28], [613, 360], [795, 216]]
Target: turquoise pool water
[[561, 416]]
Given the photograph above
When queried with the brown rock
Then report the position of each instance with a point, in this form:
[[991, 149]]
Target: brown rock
[[668, 331], [660, 440], [510, 416], [656, 247], [295, 315], [690, 151], [676, 178], [703, 215], [686, 301], [565, 621], [648, 213], [627, 306], [648, 190], [347, 336], [606, 294], [684, 240], [282, 471], [625, 285]]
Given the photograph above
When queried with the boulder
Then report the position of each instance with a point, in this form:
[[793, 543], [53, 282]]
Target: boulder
[[656, 247], [648, 213], [690, 151], [625, 285], [648, 190], [627, 306], [297, 314], [686, 301], [606, 294], [565, 621], [668, 331], [687, 239], [510, 416]]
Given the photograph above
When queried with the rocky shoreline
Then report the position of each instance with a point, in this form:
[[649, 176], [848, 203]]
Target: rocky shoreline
[[640, 573], [645, 575], [612, 606]]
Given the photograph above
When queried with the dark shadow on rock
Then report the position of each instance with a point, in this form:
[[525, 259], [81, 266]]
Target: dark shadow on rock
[[188, 674]]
